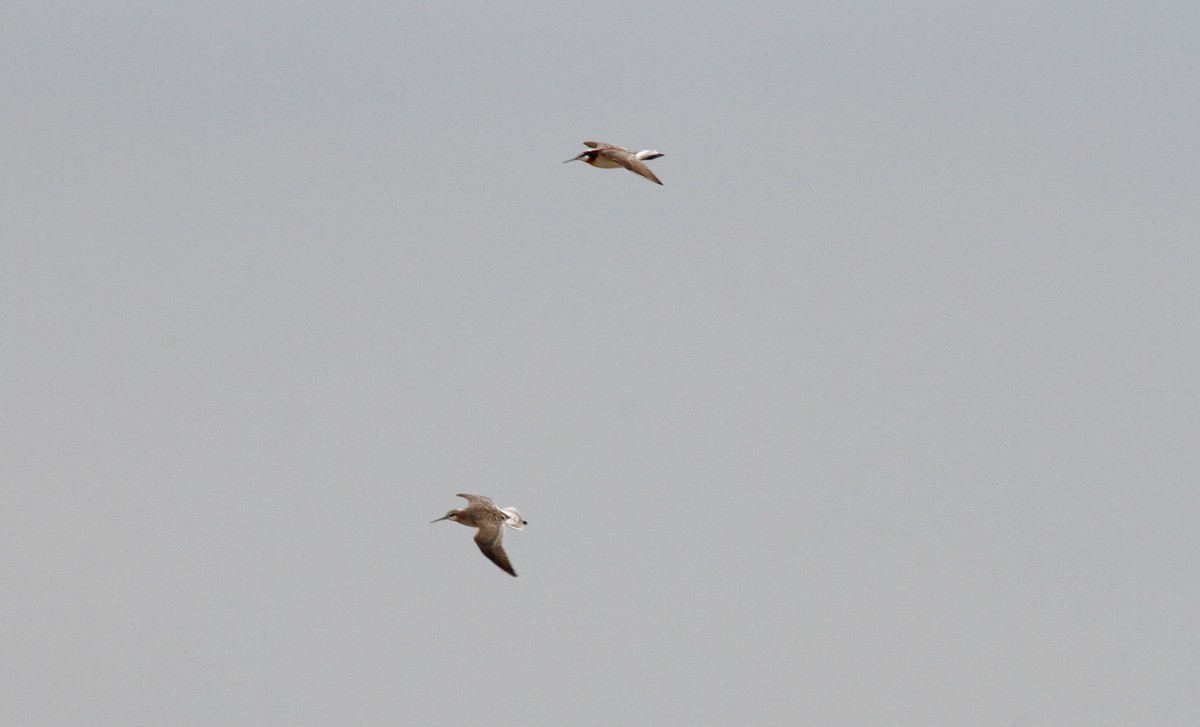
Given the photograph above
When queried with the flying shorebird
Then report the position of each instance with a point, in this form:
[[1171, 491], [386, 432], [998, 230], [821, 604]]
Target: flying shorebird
[[482, 513], [611, 156]]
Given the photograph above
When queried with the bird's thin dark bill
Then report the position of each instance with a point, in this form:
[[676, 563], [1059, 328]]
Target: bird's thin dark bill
[[431, 522], [571, 160]]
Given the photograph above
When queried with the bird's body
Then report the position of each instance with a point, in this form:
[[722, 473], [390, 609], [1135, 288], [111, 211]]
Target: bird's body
[[611, 156], [482, 513]]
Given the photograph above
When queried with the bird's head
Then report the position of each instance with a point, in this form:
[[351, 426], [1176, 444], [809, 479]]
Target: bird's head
[[587, 156]]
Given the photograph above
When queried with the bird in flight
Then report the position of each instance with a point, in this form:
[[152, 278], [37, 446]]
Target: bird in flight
[[482, 513], [611, 156]]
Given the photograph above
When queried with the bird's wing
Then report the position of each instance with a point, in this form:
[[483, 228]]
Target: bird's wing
[[488, 539], [635, 165], [602, 145], [476, 499]]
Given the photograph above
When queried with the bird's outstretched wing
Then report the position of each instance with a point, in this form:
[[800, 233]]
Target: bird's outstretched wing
[[488, 539], [476, 499], [603, 145], [631, 162]]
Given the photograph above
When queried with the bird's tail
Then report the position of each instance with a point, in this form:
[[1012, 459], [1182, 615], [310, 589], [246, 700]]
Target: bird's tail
[[514, 520]]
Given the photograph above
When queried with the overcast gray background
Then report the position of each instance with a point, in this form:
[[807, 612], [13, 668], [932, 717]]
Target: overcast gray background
[[882, 411]]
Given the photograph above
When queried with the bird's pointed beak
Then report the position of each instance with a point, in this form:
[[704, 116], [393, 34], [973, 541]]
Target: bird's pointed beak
[[444, 517], [573, 159]]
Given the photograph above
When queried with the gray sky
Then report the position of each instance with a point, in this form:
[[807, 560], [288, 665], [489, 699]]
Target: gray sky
[[882, 411]]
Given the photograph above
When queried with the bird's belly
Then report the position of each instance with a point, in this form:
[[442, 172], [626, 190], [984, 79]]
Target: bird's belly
[[605, 163]]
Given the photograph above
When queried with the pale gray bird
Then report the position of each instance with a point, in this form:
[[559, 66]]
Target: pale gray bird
[[611, 156], [482, 513]]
